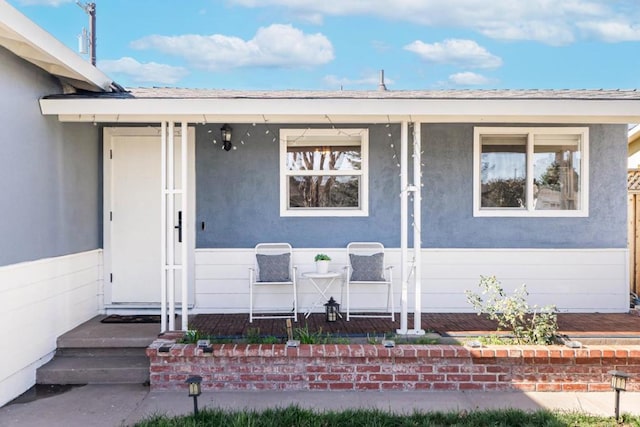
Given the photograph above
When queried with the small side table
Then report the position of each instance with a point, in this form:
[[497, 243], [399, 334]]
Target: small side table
[[316, 280]]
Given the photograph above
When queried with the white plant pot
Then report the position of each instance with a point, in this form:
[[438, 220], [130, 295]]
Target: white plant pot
[[322, 267]]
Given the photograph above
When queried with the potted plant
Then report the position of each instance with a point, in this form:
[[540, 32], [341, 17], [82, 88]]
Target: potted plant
[[322, 263]]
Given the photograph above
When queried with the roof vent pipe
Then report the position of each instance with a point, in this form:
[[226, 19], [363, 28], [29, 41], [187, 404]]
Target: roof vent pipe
[[381, 85]]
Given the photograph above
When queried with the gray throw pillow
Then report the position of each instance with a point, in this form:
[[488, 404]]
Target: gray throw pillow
[[367, 268], [273, 268]]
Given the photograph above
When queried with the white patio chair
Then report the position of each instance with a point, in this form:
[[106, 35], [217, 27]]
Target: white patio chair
[[273, 269], [366, 269]]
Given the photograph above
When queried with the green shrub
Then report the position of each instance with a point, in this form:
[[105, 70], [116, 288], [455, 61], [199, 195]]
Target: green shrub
[[529, 325]]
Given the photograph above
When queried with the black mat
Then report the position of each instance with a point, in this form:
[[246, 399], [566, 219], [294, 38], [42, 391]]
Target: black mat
[[135, 318]]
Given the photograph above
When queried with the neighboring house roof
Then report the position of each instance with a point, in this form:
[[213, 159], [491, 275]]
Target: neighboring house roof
[[27, 40], [488, 106], [633, 180]]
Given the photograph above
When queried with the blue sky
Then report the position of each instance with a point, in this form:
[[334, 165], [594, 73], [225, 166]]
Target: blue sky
[[333, 44]]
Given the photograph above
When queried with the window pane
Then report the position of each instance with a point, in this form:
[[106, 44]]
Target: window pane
[[556, 167], [503, 165], [317, 158], [324, 191]]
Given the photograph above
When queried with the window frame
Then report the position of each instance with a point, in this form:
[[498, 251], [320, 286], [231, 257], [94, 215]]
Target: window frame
[[348, 134], [531, 133]]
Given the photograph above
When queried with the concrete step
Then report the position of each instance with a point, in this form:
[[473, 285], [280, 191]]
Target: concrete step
[[100, 351], [94, 370]]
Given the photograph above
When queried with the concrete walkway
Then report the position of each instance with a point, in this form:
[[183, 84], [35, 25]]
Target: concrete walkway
[[124, 405]]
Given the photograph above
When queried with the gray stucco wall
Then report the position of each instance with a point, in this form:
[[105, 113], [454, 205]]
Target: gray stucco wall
[[238, 196], [448, 220], [50, 173]]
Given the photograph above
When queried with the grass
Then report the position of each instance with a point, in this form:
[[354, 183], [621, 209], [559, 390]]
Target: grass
[[294, 416]]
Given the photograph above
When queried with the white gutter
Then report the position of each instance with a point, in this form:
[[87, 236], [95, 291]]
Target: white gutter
[[298, 110], [23, 37]]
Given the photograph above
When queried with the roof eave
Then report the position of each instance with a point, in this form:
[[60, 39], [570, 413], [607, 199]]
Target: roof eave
[[27, 40], [350, 110]]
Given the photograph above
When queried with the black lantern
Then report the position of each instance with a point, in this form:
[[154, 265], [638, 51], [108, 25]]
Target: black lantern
[[195, 389], [225, 132], [332, 310], [618, 383]]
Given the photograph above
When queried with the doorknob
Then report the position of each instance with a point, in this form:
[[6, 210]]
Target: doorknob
[[179, 226]]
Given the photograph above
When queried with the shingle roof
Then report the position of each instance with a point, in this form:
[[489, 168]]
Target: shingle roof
[[599, 94]]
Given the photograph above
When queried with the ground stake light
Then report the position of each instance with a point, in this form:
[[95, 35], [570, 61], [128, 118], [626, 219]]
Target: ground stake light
[[332, 309], [618, 383], [195, 389]]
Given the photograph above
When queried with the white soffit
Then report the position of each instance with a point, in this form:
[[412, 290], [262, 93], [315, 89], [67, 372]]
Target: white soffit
[[27, 40], [343, 110]]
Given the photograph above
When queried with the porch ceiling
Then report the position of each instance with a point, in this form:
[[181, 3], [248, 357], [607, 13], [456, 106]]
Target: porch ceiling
[[202, 106]]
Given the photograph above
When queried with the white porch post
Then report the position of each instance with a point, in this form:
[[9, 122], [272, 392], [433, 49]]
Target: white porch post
[[417, 227], [405, 189], [171, 265], [404, 210], [163, 229], [185, 225]]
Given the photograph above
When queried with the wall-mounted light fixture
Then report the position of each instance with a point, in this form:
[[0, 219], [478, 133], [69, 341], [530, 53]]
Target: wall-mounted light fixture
[[225, 132]]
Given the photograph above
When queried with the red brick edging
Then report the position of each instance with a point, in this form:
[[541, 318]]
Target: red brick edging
[[405, 367]]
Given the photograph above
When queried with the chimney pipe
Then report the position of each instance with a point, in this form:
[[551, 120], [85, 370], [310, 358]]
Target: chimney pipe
[[381, 85]]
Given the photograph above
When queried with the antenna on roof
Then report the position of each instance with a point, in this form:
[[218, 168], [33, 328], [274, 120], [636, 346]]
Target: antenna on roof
[[90, 39], [381, 85]]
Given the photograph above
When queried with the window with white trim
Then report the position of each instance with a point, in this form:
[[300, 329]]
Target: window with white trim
[[531, 171], [324, 172]]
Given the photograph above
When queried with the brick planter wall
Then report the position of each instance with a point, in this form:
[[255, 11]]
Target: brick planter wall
[[406, 367]]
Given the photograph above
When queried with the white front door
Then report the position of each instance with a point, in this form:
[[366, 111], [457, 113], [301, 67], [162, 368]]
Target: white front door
[[133, 215]]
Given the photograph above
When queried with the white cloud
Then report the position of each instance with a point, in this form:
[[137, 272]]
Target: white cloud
[[548, 21], [611, 31], [468, 78], [54, 3], [150, 72], [273, 46], [458, 52], [369, 81]]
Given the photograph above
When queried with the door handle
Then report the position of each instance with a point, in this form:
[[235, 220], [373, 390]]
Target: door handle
[[179, 226]]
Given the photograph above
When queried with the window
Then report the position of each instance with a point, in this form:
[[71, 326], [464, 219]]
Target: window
[[323, 172], [530, 172]]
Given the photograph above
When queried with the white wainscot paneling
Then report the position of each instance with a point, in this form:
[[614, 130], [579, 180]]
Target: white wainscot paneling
[[42, 300], [575, 280], [222, 282]]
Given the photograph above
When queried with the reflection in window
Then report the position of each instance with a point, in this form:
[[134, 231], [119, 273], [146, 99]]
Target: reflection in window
[[323, 172], [503, 172], [520, 171], [556, 169], [323, 191]]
